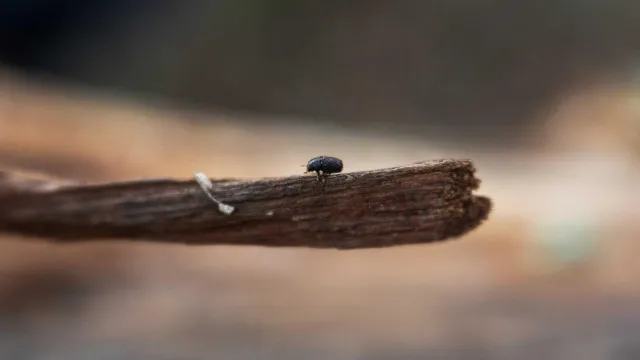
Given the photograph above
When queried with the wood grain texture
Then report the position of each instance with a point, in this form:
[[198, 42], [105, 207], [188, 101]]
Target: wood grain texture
[[418, 203]]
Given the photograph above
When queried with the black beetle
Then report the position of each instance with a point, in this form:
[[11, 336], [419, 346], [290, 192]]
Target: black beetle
[[324, 165]]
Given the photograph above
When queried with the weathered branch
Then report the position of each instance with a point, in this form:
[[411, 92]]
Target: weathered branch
[[420, 203]]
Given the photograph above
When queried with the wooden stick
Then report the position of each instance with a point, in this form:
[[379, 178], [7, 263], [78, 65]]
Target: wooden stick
[[419, 203]]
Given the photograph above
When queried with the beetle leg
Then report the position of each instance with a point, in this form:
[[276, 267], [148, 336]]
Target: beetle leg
[[323, 182]]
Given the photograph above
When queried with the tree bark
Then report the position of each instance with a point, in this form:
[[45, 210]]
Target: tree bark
[[419, 203]]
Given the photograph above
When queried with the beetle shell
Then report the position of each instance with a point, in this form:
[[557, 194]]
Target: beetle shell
[[325, 164]]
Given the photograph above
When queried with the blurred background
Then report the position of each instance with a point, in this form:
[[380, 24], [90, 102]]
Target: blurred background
[[543, 96]]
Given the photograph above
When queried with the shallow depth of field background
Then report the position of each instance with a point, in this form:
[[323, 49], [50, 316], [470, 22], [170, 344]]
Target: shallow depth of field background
[[543, 96]]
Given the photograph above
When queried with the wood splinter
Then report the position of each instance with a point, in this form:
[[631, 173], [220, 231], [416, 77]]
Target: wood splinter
[[418, 203]]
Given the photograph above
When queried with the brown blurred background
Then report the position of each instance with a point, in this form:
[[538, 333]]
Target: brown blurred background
[[543, 96]]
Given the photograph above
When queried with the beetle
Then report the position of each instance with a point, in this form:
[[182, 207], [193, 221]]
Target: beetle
[[324, 165]]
